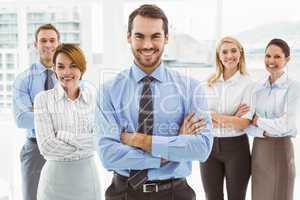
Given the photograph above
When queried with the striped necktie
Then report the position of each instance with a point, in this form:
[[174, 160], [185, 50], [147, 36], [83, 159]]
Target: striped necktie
[[48, 81], [145, 125]]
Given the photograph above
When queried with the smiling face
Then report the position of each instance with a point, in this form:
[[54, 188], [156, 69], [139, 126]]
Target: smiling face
[[47, 41], [147, 41], [67, 72], [229, 56], [275, 60]]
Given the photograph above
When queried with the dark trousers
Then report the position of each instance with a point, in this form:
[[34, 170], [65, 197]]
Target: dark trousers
[[32, 163], [229, 159], [120, 190]]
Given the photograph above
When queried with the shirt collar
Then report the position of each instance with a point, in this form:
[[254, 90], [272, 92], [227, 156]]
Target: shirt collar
[[60, 93], [158, 74], [40, 68], [281, 82], [233, 79]]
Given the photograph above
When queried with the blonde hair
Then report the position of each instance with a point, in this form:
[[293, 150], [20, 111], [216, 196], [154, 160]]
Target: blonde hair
[[220, 67]]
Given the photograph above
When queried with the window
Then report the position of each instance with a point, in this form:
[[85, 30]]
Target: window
[[10, 66], [256, 30], [10, 77], [8, 105], [191, 37], [9, 97], [9, 88], [9, 58]]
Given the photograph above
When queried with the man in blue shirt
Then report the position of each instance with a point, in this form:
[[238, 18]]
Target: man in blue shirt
[[152, 120], [27, 85]]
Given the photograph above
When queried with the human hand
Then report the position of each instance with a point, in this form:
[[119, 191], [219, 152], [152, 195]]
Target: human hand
[[215, 119], [138, 140], [127, 138], [189, 126], [163, 161], [254, 120], [242, 110]]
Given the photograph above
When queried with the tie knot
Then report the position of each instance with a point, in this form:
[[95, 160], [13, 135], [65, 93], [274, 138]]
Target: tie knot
[[148, 79], [49, 72]]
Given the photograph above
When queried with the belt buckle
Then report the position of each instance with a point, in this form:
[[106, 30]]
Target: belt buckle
[[150, 187]]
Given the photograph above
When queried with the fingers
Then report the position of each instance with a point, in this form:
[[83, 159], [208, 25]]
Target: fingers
[[242, 110], [163, 161], [189, 117], [244, 107], [190, 126], [215, 124], [198, 126], [187, 123], [125, 138]]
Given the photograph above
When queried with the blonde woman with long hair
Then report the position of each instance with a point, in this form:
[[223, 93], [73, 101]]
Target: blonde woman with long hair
[[228, 93]]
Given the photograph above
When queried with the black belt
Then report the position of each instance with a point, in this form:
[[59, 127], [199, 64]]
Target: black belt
[[157, 185], [32, 140]]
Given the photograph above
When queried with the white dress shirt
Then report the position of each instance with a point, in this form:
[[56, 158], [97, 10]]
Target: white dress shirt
[[277, 107], [224, 97], [65, 127]]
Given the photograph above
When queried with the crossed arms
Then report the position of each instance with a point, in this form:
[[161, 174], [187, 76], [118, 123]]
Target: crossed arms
[[120, 150]]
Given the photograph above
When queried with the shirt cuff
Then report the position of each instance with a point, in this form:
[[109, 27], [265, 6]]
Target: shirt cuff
[[248, 116], [259, 122], [160, 146], [255, 131], [208, 120], [152, 162]]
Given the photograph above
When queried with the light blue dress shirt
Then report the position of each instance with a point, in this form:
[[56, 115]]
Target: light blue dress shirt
[[26, 86], [277, 107], [174, 96]]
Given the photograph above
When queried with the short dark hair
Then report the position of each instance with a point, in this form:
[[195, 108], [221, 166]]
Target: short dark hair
[[281, 44], [151, 11], [46, 27]]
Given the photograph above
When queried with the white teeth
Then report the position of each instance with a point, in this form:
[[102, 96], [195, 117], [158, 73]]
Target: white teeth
[[147, 53], [66, 78]]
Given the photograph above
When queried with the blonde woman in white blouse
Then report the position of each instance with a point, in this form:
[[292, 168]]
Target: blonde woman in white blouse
[[229, 97], [274, 123], [64, 123]]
